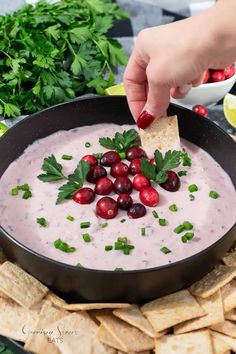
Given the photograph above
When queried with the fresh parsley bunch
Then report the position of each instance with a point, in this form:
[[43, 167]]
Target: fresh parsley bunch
[[50, 53]]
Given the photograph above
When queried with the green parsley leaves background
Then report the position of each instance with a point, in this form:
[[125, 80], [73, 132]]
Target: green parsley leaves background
[[50, 53]]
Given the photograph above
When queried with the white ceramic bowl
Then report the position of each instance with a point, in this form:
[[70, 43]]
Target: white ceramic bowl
[[206, 94]]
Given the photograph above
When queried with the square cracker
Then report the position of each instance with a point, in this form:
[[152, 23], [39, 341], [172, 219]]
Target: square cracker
[[135, 317], [162, 134], [129, 337], [231, 315], [228, 292], [197, 342], [172, 309], [213, 281], [229, 340], [38, 342], [227, 327], [20, 286], [57, 301], [77, 332], [16, 321], [214, 314], [230, 259], [107, 338], [219, 346]]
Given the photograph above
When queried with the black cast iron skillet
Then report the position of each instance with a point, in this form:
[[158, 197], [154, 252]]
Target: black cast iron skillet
[[95, 285]]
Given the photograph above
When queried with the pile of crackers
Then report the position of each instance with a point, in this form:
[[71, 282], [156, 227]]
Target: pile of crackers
[[198, 320]]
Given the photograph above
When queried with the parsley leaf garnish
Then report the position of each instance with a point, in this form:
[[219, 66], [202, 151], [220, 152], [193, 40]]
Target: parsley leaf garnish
[[158, 172], [121, 141], [75, 182], [53, 170]]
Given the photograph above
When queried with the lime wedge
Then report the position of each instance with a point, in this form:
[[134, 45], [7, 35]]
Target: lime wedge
[[229, 107], [3, 129], [115, 90]]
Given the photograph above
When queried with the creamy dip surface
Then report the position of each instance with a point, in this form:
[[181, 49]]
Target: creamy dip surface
[[211, 218]]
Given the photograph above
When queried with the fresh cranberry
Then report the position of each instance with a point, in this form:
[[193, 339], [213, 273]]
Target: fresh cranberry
[[123, 185], [149, 196], [140, 182], [134, 166], [91, 159], [119, 169], [144, 120], [109, 158], [206, 76], [217, 75], [173, 182], [136, 211], [106, 208], [124, 201], [84, 196], [96, 173], [134, 153], [229, 72], [152, 161], [201, 110], [104, 186]]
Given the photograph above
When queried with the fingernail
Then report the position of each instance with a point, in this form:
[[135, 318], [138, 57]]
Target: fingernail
[[185, 89], [144, 120]]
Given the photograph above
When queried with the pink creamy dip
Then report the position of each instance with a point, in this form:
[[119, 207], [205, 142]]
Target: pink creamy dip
[[211, 217]]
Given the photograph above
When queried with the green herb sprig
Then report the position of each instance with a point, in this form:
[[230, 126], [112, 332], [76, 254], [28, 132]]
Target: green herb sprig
[[52, 52], [121, 141]]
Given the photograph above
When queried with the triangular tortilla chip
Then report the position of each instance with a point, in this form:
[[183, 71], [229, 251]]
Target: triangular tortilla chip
[[227, 327], [228, 292], [213, 281], [38, 342], [20, 286], [220, 347], [135, 317], [129, 337], [229, 340], [198, 342], [214, 314], [16, 321], [162, 134], [172, 309]]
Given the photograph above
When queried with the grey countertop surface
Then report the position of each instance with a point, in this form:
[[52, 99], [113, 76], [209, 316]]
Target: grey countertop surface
[[142, 14]]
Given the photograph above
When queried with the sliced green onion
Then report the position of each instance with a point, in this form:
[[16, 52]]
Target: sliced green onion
[[143, 231], [127, 249], [154, 213], [119, 245], [42, 222], [15, 191], [27, 195], [119, 269], [179, 229], [70, 218], [23, 187], [87, 144], [86, 237], [122, 239], [85, 224], [193, 188], [162, 222], [214, 194], [123, 220], [187, 225], [187, 237], [67, 157], [98, 155], [191, 197], [63, 246], [108, 248], [182, 173], [173, 207], [122, 155], [165, 250], [105, 224]]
